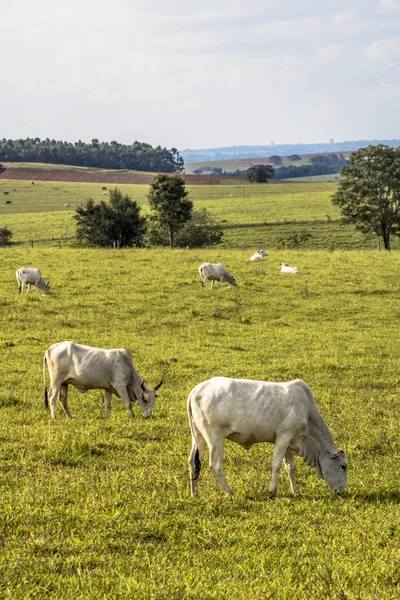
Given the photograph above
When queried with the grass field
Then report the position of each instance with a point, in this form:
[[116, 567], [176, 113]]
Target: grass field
[[96, 508], [256, 215]]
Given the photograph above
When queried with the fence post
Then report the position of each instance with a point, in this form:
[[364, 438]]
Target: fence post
[[59, 244]]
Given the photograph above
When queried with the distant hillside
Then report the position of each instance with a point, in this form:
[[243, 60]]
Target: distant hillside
[[250, 152]]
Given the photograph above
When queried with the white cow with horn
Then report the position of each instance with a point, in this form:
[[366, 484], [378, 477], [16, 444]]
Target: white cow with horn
[[250, 412], [259, 255], [26, 276], [88, 368], [216, 272]]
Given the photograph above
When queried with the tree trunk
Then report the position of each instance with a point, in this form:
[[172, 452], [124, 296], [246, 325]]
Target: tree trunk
[[386, 238]]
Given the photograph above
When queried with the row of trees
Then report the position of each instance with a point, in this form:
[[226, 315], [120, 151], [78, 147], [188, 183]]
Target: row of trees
[[107, 155], [172, 222], [317, 165]]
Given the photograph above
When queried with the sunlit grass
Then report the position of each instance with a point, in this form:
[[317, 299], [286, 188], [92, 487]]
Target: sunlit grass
[[98, 508]]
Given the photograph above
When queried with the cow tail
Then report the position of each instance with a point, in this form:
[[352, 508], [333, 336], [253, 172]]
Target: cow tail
[[46, 397], [197, 461]]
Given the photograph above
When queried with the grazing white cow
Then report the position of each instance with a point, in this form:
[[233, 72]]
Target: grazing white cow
[[88, 368], [215, 273], [250, 412], [33, 277], [286, 269], [259, 255]]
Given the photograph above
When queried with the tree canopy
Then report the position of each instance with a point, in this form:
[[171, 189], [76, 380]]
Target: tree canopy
[[106, 155], [168, 199], [368, 193], [200, 230], [260, 173], [117, 221]]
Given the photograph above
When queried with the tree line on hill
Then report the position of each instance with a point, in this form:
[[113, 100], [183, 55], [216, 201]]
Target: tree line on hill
[[106, 155], [317, 165]]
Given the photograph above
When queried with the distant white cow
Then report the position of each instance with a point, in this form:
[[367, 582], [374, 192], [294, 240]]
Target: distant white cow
[[33, 277], [286, 269], [259, 255], [215, 273], [67, 205], [251, 412], [88, 368]]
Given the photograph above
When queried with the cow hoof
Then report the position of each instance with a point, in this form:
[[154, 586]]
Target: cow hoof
[[272, 495]]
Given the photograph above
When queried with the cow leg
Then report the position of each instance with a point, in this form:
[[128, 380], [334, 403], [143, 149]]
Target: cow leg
[[63, 396], [212, 283], [53, 393], [123, 394], [217, 464], [289, 464], [281, 444], [199, 446], [107, 402]]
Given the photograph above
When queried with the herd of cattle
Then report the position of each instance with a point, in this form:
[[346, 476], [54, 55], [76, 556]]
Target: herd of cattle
[[241, 410]]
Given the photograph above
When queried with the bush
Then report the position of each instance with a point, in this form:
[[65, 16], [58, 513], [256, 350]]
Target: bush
[[5, 236], [105, 223], [201, 230]]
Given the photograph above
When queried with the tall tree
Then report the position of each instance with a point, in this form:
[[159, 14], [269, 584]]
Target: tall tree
[[260, 173], [368, 193], [103, 224], [168, 199]]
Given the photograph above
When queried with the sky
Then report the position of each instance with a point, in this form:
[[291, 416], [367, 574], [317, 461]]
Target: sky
[[200, 74]]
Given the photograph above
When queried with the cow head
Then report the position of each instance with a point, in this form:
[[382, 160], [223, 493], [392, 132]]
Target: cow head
[[45, 285], [332, 467], [147, 398], [231, 279]]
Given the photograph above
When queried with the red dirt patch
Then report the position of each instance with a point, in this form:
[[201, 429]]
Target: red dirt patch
[[97, 176]]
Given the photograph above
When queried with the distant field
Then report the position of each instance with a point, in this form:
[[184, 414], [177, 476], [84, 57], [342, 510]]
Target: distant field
[[252, 215], [245, 163]]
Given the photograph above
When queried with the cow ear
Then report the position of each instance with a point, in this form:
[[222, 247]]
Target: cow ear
[[334, 455], [143, 386]]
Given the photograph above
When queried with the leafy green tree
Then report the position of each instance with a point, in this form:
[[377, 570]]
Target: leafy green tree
[[260, 173], [275, 160], [168, 199], [294, 157], [117, 221], [5, 236], [368, 193], [200, 230]]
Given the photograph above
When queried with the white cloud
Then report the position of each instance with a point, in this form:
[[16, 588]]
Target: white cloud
[[383, 50]]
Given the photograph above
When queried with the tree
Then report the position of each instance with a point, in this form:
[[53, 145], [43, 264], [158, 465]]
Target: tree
[[5, 236], [294, 157], [260, 173], [368, 193], [168, 199], [103, 224], [275, 160], [200, 230], [2, 168]]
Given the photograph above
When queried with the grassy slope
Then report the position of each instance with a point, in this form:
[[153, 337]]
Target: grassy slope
[[251, 215], [97, 508]]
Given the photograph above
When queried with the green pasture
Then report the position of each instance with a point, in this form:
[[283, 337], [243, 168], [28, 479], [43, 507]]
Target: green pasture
[[100, 508], [263, 215]]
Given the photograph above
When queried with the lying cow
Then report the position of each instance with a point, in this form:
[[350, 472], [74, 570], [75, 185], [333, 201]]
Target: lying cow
[[259, 255], [215, 273], [250, 412], [30, 277], [286, 269], [88, 368]]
